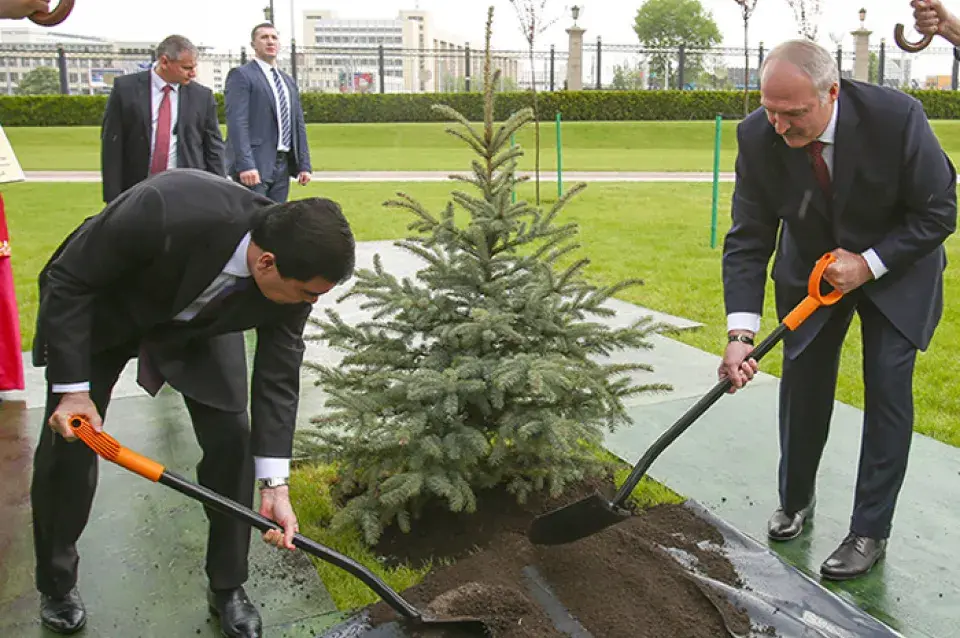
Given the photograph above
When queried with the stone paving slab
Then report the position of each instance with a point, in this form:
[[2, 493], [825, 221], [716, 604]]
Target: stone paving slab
[[437, 176]]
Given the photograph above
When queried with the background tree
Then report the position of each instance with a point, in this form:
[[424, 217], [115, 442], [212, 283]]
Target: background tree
[[483, 369], [747, 7], [666, 24], [807, 13], [531, 14], [873, 70], [627, 78], [43, 80]]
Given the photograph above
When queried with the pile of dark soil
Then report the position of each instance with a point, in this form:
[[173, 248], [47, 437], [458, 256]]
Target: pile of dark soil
[[622, 582]]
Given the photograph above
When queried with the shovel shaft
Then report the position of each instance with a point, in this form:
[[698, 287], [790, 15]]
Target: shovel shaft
[[688, 418], [324, 553]]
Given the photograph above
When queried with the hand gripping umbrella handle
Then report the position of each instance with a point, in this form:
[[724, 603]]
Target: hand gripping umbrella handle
[[55, 17]]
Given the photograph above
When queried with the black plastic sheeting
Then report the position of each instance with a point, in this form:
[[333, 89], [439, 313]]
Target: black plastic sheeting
[[775, 595]]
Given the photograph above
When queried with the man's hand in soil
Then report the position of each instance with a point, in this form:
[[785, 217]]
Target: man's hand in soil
[[74, 404], [736, 365], [275, 505]]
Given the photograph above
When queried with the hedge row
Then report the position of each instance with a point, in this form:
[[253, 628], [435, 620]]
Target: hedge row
[[87, 110]]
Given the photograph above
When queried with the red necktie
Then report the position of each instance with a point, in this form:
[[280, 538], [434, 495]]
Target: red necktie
[[815, 150], [161, 149]]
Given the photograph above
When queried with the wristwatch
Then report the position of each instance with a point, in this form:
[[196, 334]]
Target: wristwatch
[[742, 338], [272, 482]]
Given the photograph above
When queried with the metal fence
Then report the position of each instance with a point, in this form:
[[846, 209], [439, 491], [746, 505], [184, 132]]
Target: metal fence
[[378, 69]]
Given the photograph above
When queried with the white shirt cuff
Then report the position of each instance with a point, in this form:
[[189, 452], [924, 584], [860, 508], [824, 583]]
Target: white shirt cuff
[[270, 467], [743, 321], [873, 261], [63, 388]]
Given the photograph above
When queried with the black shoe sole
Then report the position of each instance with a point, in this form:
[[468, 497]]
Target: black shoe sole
[[783, 539], [65, 632], [843, 577]]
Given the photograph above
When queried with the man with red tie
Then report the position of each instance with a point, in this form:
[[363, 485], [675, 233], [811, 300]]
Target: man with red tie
[[854, 169], [159, 119]]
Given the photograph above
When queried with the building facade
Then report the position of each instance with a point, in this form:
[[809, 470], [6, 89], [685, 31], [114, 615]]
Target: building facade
[[343, 55]]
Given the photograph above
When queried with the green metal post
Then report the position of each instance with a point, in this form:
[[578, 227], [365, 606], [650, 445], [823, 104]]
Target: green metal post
[[559, 159], [716, 181], [513, 189]]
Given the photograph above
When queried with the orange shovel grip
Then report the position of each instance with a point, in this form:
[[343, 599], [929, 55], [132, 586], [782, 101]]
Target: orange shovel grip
[[108, 447], [814, 298]]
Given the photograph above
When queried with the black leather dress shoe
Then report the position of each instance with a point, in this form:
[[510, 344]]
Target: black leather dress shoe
[[239, 617], [785, 527], [856, 556], [64, 615]]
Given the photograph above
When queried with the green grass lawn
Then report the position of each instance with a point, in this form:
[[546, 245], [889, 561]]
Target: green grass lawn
[[594, 146], [658, 232]]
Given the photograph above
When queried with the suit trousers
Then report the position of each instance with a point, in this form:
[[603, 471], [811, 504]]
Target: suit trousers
[[807, 391], [65, 480], [278, 188]]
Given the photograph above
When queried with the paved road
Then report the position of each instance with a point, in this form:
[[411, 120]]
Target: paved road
[[430, 176]]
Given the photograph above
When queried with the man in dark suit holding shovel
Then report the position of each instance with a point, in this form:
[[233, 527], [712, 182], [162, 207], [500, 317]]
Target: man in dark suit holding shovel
[[159, 119], [883, 202], [172, 272]]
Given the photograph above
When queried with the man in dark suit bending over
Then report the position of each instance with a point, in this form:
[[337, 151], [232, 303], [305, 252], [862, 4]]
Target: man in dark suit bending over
[[172, 272], [883, 200], [159, 119]]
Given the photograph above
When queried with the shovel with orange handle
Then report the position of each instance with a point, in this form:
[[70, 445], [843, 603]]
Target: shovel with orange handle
[[595, 513], [108, 448]]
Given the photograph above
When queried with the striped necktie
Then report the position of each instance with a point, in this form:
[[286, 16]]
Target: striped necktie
[[284, 110]]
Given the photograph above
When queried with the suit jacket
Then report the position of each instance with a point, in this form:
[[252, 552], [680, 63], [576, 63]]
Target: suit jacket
[[252, 132], [894, 190], [122, 276], [126, 132]]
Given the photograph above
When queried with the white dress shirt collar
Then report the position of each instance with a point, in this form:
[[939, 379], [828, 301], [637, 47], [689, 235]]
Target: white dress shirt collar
[[158, 82], [829, 135], [237, 264]]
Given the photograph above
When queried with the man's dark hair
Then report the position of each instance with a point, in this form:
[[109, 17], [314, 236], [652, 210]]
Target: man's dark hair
[[253, 31], [309, 238]]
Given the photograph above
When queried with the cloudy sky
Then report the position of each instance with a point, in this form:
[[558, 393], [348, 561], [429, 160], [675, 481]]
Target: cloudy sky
[[226, 23]]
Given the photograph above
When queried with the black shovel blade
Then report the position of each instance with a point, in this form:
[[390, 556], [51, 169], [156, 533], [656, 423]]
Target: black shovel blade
[[578, 520]]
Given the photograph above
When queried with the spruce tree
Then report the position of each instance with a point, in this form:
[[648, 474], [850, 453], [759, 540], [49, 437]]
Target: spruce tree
[[482, 370]]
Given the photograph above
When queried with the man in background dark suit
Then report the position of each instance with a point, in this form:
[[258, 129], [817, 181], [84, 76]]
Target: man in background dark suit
[[159, 119], [882, 199], [266, 133], [172, 272]]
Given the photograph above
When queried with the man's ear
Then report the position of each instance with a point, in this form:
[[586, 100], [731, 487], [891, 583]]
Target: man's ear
[[266, 261]]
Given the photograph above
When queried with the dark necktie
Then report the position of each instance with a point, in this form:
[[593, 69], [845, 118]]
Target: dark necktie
[[161, 148], [820, 170], [149, 376], [285, 137]]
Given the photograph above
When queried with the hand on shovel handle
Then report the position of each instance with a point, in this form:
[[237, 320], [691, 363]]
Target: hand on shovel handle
[[737, 365], [275, 505], [73, 405]]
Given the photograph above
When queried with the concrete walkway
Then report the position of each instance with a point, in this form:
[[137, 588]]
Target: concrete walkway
[[142, 551], [430, 176]]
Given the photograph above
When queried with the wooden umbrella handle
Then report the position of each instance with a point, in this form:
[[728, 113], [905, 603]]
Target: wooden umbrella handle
[[55, 17], [910, 47]]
